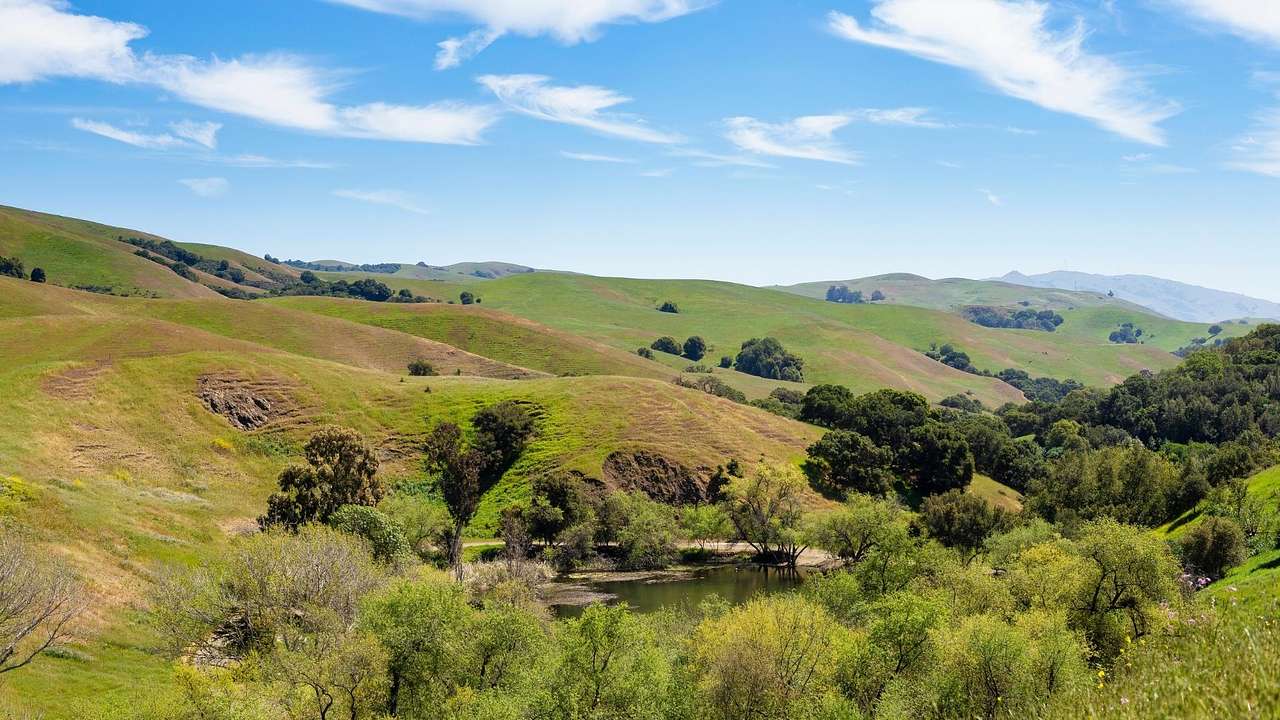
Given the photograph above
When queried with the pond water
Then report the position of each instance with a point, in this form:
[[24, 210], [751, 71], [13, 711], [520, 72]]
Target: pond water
[[684, 587]]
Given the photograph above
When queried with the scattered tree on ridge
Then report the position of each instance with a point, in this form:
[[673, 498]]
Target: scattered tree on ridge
[[695, 348], [766, 358], [37, 275], [666, 344], [668, 307], [341, 470]]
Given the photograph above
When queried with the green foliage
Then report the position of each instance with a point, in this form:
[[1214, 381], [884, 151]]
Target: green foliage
[[695, 348], [845, 462], [1213, 547], [1129, 483], [1128, 333], [712, 385], [645, 353], [646, 531], [502, 432], [860, 528], [766, 511], [12, 267], [666, 344], [459, 469], [766, 358], [559, 501], [962, 521], [609, 666], [385, 536], [962, 402], [668, 307], [726, 362], [341, 470], [467, 297], [842, 294], [38, 275], [1024, 319], [421, 368], [937, 459], [703, 524]]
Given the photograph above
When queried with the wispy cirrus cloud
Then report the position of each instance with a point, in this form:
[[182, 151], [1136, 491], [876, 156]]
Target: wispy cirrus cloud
[[1259, 151], [184, 134], [390, 198], [585, 106], [593, 157], [209, 187], [807, 138], [1012, 46], [991, 197], [1257, 20], [570, 21], [43, 39], [702, 158]]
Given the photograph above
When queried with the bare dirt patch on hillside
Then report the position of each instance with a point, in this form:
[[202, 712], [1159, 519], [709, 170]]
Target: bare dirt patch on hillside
[[248, 404], [658, 476], [74, 383]]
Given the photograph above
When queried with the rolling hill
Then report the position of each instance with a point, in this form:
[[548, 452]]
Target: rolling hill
[[1168, 297]]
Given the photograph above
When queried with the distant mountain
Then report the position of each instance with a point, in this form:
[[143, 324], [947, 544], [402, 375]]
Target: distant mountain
[[1171, 298]]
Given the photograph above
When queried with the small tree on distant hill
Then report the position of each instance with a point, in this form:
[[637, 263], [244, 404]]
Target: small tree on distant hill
[[694, 348], [669, 307], [666, 344], [467, 297], [1213, 329], [876, 296], [766, 358], [726, 362], [12, 267], [37, 275], [421, 368], [341, 470]]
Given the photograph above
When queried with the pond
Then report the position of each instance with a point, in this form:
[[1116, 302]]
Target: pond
[[676, 588]]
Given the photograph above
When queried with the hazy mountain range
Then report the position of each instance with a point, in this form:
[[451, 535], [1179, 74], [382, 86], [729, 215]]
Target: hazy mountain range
[[1171, 298]]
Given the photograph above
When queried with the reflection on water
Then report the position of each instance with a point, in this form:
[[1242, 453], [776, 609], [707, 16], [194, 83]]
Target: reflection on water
[[646, 592]]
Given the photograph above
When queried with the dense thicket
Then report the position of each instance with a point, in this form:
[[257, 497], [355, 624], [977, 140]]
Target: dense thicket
[[1024, 319], [767, 358]]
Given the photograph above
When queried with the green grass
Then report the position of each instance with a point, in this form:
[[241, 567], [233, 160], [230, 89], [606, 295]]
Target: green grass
[[953, 293], [995, 493], [1264, 485]]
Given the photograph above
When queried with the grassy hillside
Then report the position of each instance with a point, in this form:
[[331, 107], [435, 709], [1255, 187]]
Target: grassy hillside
[[863, 346], [110, 458], [952, 293]]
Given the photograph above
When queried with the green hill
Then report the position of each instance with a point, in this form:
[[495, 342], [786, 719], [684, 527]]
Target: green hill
[[953, 293]]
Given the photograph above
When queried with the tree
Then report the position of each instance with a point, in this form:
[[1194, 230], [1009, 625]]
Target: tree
[[39, 599], [766, 358], [877, 296], [610, 666], [37, 275], [695, 348], [647, 531], [668, 307], [421, 368], [1214, 329], [458, 468], [645, 353], [860, 527], [12, 267], [962, 521], [766, 510], [341, 470], [308, 277], [502, 431], [938, 459], [827, 405], [1213, 547], [467, 297], [560, 501], [705, 523], [843, 462], [666, 344]]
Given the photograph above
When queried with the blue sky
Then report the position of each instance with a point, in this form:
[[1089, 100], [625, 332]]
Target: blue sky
[[758, 141]]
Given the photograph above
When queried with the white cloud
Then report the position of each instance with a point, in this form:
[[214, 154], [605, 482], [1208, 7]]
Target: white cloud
[[658, 173], [950, 164], [909, 116], [38, 40], [1136, 157], [248, 160], [1259, 152], [703, 158], [580, 105], [592, 157], [1254, 19], [160, 141], [42, 39], [454, 51], [570, 21], [207, 187], [807, 138], [991, 197], [1009, 44], [201, 133], [390, 198]]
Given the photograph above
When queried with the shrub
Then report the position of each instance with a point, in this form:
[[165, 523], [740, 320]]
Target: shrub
[[712, 385], [962, 521], [12, 267], [645, 353], [694, 348], [767, 358], [666, 344], [1213, 547], [668, 307], [467, 298], [385, 536], [963, 403], [37, 275], [648, 533], [726, 362], [421, 368]]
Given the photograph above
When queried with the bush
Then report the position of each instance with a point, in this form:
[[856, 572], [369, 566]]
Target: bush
[[712, 385], [666, 344], [695, 348], [1213, 547], [726, 362], [648, 533], [962, 521], [962, 402], [37, 275], [668, 307], [645, 353], [467, 298], [385, 536], [421, 368], [766, 358], [12, 267]]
